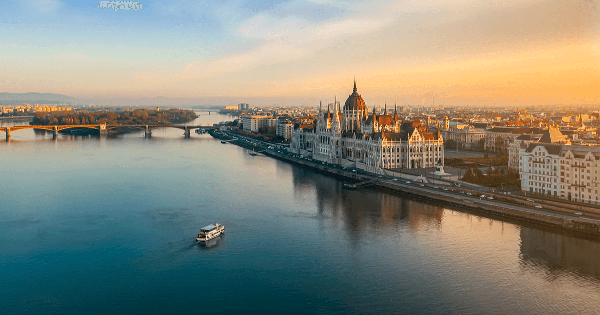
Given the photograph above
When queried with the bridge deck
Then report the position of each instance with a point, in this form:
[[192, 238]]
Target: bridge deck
[[62, 127]]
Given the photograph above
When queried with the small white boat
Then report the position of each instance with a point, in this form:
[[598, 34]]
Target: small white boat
[[209, 232]]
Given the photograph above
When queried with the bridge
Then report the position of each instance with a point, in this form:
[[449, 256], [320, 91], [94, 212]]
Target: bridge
[[103, 129]]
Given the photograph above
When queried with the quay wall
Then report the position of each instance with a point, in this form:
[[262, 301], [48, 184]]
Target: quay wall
[[545, 218]]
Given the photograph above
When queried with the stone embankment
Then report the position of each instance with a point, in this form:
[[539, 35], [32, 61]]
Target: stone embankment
[[504, 206]]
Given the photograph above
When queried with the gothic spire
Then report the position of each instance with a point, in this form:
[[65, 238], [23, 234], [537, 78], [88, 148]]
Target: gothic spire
[[354, 90], [385, 109]]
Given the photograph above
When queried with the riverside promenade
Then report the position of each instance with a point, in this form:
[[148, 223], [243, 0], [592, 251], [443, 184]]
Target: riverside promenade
[[500, 205]]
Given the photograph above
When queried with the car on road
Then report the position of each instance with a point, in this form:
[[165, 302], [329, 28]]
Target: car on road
[[408, 182], [468, 194], [578, 213], [395, 179], [421, 185], [482, 196], [380, 176], [445, 188], [436, 187], [539, 207], [531, 200], [491, 198]]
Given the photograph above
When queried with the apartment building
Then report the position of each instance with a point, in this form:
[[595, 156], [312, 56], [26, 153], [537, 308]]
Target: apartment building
[[285, 129], [564, 171], [254, 123]]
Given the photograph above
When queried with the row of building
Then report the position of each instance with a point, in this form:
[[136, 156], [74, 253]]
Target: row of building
[[30, 109], [254, 123]]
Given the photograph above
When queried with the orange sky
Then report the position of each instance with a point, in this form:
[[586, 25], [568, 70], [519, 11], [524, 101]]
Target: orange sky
[[462, 52]]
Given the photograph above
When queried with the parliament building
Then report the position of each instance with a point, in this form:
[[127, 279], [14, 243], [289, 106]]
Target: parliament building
[[354, 138]]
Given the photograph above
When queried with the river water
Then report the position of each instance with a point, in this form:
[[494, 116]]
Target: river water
[[103, 225]]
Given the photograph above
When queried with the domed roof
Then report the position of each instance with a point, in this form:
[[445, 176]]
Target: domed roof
[[354, 101]]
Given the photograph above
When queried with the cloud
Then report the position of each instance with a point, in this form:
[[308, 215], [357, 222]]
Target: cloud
[[282, 40]]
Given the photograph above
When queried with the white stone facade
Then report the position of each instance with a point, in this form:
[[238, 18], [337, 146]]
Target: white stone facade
[[564, 171], [335, 140]]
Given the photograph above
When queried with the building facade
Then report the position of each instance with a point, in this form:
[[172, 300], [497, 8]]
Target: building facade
[[564, 171], [349, 136], [285, 129], [254, 123]]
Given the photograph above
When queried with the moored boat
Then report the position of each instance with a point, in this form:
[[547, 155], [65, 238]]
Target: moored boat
[[350, 186], [209, 232]]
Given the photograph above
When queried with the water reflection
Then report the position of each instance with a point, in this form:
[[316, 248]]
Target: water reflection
[[210, 243], [558, 253], [365, 208]]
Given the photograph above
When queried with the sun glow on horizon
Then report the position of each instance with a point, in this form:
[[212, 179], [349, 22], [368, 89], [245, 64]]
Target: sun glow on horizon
[[466, 52]]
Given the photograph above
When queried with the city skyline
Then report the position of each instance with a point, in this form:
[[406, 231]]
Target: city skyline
[[297, 52]]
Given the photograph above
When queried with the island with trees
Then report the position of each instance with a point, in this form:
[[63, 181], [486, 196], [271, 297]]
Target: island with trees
[[127, 117]]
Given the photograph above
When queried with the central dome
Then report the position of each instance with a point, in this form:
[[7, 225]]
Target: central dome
[[354, 101]]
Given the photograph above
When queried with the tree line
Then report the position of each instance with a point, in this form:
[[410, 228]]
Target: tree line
[[492, 177], [135, 117]]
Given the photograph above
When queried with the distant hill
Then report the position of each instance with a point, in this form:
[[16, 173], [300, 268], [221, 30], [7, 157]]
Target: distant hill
[[39, 98]]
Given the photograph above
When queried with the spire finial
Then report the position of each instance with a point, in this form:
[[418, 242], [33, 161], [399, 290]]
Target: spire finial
[[354, 90]]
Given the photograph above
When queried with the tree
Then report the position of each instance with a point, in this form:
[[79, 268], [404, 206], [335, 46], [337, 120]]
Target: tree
[[480, 144], [468, 176], [450, 144]]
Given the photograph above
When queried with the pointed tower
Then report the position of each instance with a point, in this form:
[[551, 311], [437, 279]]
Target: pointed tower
[[384, 109], [336, 118], [374, 125], [396, 123]]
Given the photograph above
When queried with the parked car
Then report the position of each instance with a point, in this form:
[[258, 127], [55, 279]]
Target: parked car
[[490, 198], [539, 207], [578, 213]]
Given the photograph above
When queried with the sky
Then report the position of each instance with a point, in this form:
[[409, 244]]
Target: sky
[[297, 52]]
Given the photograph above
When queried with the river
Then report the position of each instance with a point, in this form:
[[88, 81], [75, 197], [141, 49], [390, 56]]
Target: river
[[102, 225]]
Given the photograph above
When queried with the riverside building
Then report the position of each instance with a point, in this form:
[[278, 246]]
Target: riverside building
[[552, 167], [351, 137]]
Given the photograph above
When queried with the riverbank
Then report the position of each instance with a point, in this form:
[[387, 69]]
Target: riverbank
[[17, 118], [500, 205]]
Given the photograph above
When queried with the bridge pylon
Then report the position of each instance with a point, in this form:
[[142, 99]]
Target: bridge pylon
[[102, 130], [54, 132], [7, 134], [187, 132], [148, 133]]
